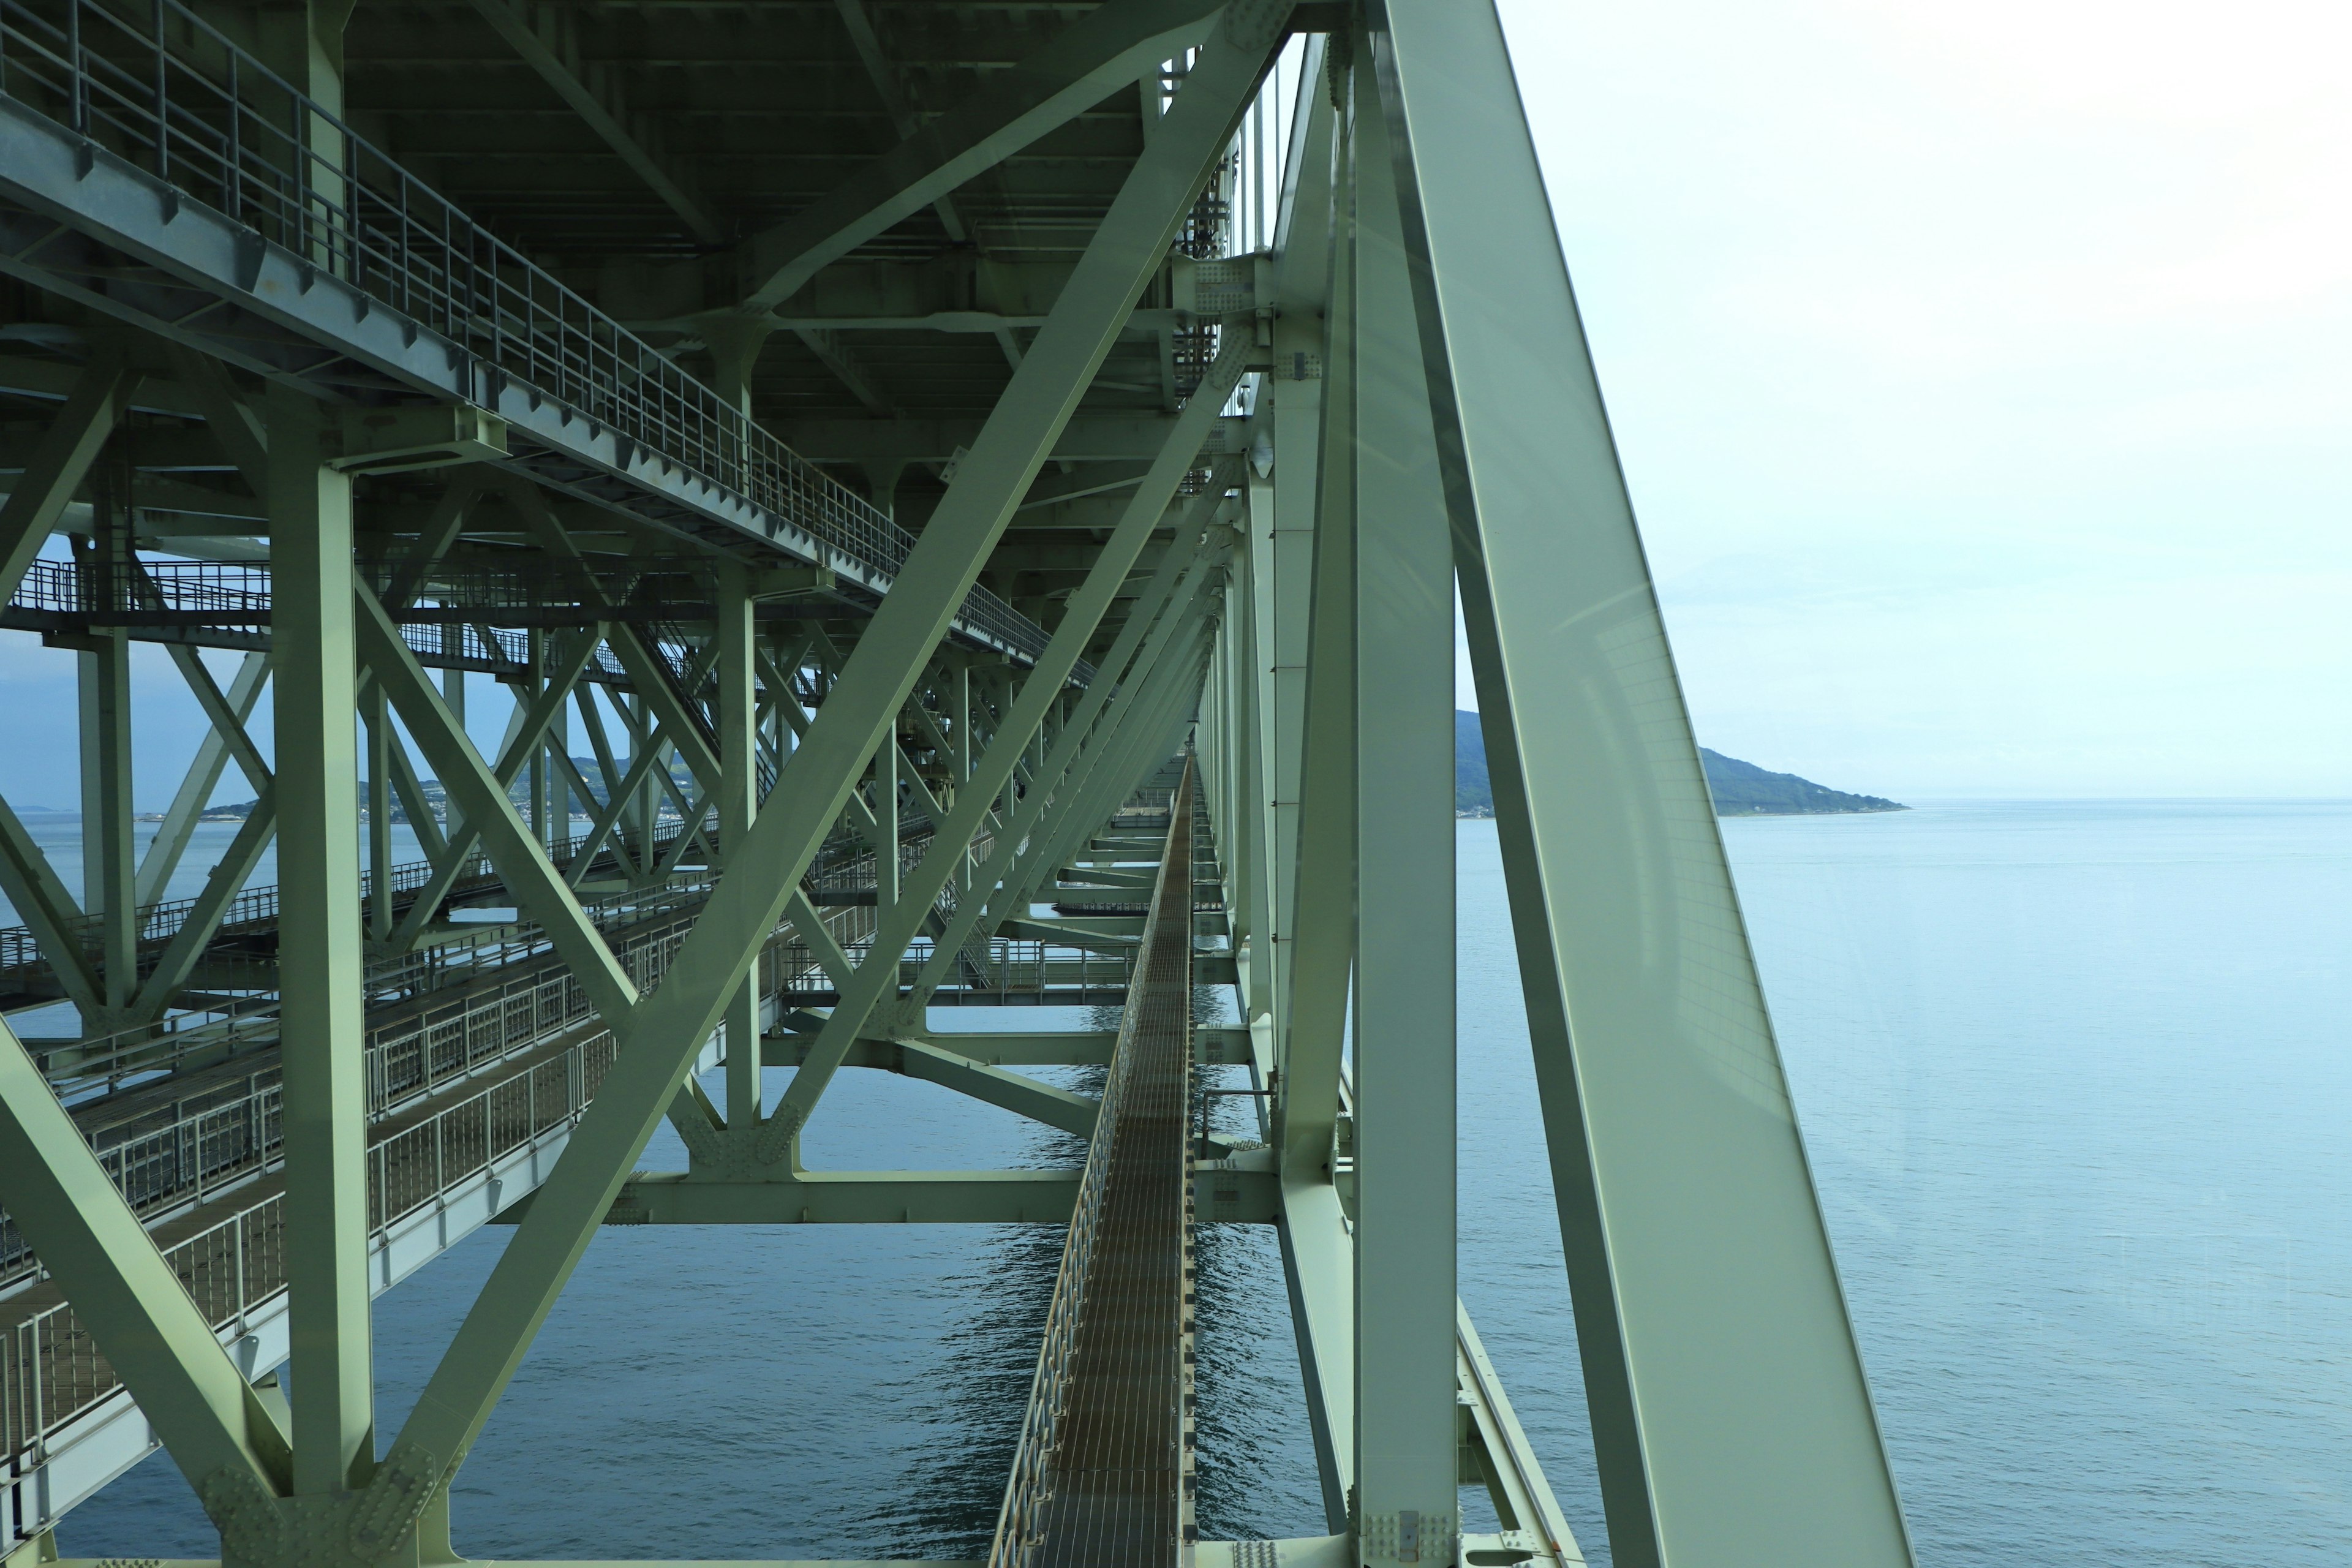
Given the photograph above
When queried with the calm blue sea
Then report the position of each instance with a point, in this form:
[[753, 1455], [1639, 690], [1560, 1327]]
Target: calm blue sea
[[2074, 1080]]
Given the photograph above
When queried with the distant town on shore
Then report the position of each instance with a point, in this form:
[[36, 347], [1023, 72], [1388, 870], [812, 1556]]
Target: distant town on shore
[[1740, 789]]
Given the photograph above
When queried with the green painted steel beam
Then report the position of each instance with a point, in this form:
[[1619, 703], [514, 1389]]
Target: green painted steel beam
[[134, 1305], [1731, 1415], [481, 794], [1059, 1107], [660, 1037], [1038, 698], [739, 800], [59, 461], [837, 1197], [320, 993], [1105, 49], [49, 912], [224, 742], [1403, 1055], [1323, 879]]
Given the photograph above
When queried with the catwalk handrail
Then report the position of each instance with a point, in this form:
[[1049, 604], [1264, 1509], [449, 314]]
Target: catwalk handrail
[[205, 1150], [1024, 1493], [162, 1168], [51, 1370], [157, 923], [159, 86]]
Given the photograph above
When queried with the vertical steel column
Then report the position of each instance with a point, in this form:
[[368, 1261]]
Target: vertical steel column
[[1238, 827], [1256, 794], [1406, 1486], [526, 692], [959, 707], [110, 856], [735, 342], [378, 716], [1311, 788], [886, 821], [644, 812], [303, 43], [1285, 499], [453, 694], [110, 863], [325, 1107], [738, 789], [556, 750], [1323, 890]]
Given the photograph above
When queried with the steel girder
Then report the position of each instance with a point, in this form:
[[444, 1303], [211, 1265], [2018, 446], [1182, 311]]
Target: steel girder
[[1439, 385], [660, 1036], [1423, 409]]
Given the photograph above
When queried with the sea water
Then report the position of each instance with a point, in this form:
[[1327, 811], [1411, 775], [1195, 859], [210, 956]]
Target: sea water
[[2073, 1077]]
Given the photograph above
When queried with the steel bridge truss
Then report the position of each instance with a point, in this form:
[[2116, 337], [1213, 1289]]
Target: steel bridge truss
[[294, 404]]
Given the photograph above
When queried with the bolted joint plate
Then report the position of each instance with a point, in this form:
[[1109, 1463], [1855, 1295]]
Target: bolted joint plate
[[1409, 1536], [374, 1527], [1255, 24]]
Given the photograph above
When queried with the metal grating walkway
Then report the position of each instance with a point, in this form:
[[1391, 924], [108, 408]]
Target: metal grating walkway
[[1100, 1478]]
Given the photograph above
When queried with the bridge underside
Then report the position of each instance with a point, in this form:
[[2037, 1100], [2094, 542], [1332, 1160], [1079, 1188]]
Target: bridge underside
[[690, 537]]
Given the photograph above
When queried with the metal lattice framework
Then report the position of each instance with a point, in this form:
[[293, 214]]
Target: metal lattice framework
[[996, 531]]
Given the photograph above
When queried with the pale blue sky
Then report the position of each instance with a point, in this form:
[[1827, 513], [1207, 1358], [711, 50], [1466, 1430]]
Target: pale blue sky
[[1983, 375]]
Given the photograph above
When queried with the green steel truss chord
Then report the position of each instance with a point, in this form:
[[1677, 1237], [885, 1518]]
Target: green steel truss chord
[[222, 885], [56, 468], [49, 912], [1282, 525], [1404, 994], [660, 1037], [901, 925], [481, 794], [226, 740], [1176, 584], [1731, 1415], [1423, 409], [1107, 48], [1323, 876]]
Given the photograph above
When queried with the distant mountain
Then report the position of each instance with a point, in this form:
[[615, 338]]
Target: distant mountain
[[1740, 789], [1743, 789]]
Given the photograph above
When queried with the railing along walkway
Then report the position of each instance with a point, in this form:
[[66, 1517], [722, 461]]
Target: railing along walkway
[[298, 210], [1101, 1477], [435, 1172], [440, 1163]]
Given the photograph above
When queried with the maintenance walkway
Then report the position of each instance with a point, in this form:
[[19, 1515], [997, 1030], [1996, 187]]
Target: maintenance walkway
[[1102, 1476], [473, 1089]]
